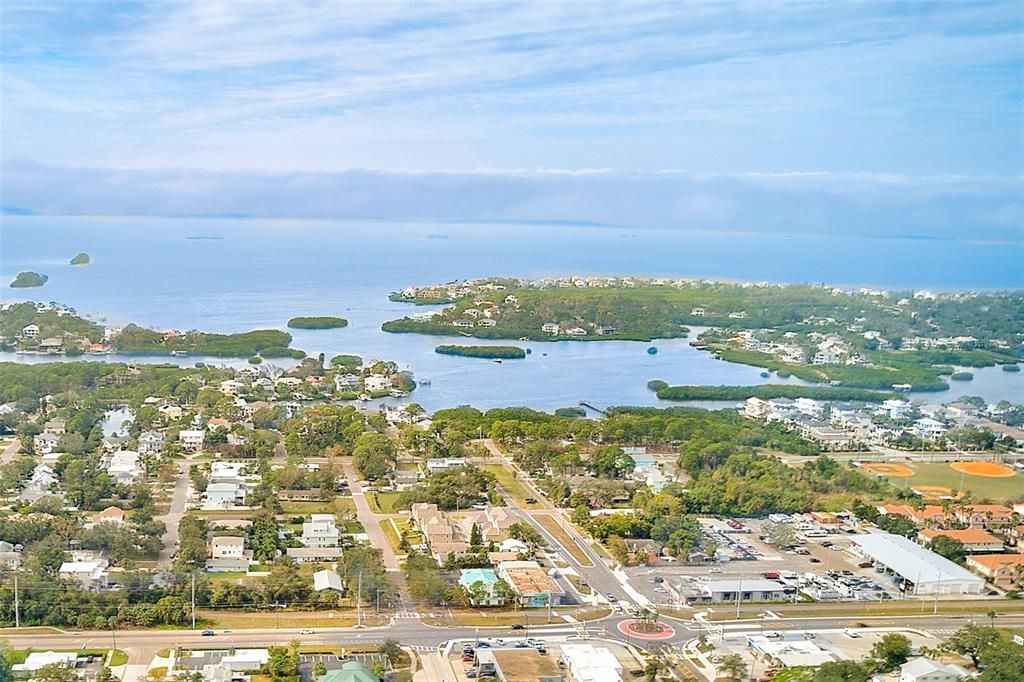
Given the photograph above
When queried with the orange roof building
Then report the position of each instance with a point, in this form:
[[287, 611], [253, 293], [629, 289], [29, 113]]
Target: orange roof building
[[973, 540], [1005, 570]]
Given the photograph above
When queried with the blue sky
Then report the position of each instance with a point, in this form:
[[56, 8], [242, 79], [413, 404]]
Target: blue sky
[[839, 101]]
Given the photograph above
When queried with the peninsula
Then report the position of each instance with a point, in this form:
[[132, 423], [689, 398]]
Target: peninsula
[[864, 338], [28, 279]]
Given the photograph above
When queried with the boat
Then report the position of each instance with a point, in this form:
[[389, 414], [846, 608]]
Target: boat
[[652, 351], [423, 382], [365, 398], [497, 360], [179, 353], [765, 375]]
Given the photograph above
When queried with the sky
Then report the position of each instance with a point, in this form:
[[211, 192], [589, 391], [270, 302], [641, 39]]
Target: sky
[[873, 116]]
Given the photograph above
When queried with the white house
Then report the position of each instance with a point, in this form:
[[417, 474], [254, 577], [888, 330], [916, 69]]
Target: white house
[[576, 331], [549, 328], [192, 439], [45, 443], [327, 580], [89, 575], [929, 429], [377, 382], [320, 531], [151, 442], [30, 331], [169, 410], [227, 547], [223, 496], [926, 670], [124, 467]]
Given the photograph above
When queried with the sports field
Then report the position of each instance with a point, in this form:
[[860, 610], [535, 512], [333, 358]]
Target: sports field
[[999, 483]]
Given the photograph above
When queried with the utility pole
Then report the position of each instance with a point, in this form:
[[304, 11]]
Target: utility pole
[[17, 604], [193, 601], [359, 601]]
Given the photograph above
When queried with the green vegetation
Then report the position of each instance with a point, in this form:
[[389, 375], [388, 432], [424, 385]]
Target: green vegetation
[[767, 392], [961, 376], [1011, 368], [50, 322], [325, 322], [81, 258], [281, 352], [346, 361], [135, 339], [902, 368], [490, 352], [255, 360], [28, 279]]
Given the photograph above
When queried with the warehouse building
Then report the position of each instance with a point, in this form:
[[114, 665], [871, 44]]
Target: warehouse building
[[924, 571]]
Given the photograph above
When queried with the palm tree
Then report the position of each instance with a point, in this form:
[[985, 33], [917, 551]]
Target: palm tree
[[991, 617]]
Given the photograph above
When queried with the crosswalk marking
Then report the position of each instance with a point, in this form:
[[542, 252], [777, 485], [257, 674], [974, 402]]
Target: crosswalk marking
[[408, 615]]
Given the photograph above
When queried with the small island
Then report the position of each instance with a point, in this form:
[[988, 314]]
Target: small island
[[324, 322], [766, 392], [81, 258], [28, 279], [486, 352]]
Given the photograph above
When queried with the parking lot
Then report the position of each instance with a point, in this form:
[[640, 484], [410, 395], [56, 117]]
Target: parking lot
[[818, 562]]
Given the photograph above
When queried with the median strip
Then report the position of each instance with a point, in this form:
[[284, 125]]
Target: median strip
[[552, 526]]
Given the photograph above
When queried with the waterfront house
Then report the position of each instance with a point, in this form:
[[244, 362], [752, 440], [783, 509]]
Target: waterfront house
[[549, 328], [698, 312], [486, 322], [30, 331], [377, 382], [576, 331], [466, 324]]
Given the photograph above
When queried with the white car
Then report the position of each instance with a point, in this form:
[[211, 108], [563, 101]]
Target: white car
[[853, 634], [306, 631]]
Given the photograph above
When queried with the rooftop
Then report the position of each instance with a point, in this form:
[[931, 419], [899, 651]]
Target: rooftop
[[911, 561]]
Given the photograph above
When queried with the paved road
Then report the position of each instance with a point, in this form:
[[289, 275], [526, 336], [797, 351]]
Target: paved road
[[599, 576], [10, 451], [179, 498], [371, 522]]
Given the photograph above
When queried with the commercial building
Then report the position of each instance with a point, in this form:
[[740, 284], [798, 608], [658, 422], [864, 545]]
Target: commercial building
[[532, 586], [927, 670], [587, 663], [925, 571], [729, 591], [789, 653]]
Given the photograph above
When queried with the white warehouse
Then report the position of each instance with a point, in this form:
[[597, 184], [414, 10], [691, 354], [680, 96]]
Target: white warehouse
[[926, 570]]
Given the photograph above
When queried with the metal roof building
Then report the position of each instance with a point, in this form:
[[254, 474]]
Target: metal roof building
[[926, 570]]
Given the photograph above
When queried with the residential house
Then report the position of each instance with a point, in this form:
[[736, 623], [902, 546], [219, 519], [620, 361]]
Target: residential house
[[228, 555], [493, 522], [55, 426], [124, 467], [30, 331], [576, 331], [463, 323], [1004, 570], [549, 328], [929, 429], [928, 515], [10, 555], [45, 443], [327, 580], [480, 584], [169, 410], [192, 439], [350, 671], [756, 408], [114, 515], [320, 531], [985, 516], [377, 382], [223, 496], [88, 574], [444, 464], [151, 442], [313, 555], [926, 670], [698, 312], [974, 541]]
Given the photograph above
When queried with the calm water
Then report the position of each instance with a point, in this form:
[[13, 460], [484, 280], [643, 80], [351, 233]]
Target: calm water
[[263, 272]]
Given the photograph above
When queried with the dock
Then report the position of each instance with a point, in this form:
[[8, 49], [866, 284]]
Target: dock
[[591, 406]]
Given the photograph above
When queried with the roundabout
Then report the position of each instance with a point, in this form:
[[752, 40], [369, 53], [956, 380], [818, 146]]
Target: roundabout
[[646, 630]]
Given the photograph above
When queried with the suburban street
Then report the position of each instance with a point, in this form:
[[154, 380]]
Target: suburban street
[[179, 499]]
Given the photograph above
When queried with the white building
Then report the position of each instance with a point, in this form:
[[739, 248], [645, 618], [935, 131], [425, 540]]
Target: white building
[[223, 496], [320, 531], [151, 442], [444, 464], [926, 670], [45, 443], [926, 571], [30, 331], [89, 575], [40, 659], [587, 663], [192, 439], [929, 429], [377, 382], [327, 580], [227, 547], [125, 468], [549, 328]]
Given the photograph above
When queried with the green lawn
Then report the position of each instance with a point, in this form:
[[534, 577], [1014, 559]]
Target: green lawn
[[383, 502], [297, 508], [509, 483], [940, 473]]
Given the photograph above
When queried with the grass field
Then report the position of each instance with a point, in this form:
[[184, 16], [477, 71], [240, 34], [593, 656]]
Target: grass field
[[508, 483], [286, 619], [941, 474], [383, 503], [552, 526]]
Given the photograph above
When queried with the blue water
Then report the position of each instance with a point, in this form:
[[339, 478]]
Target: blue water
[[262, 272]]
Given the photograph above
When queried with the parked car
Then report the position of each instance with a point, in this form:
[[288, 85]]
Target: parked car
[[531, 500]]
